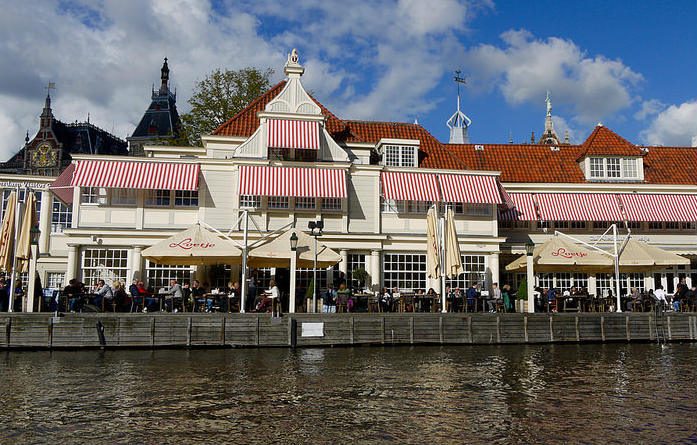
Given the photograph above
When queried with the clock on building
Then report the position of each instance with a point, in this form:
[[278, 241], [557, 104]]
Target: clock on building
[[44, 156]]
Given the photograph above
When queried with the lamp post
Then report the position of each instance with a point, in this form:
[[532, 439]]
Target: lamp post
[[316, 230], [529, 250], [293, 268], [35, 233]]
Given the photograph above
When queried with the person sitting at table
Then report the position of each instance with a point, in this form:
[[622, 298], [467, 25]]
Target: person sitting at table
[[121, 297], [198, 293], [345, 297], [451, 297], [269, 299], [634, 300], [385, 300], [428, 300], [472, 295], [329, 299], [174, 291], [495, 297], [150, 302], [102, 292], [74, 291], [136, 298], [233, 296]]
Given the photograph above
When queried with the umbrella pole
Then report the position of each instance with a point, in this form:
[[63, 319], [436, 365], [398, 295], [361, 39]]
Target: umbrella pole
[[443, 260], [617, 270], [243, 293]]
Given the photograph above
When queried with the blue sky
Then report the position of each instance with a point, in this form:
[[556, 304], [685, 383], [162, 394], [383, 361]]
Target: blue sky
[[629, 64]]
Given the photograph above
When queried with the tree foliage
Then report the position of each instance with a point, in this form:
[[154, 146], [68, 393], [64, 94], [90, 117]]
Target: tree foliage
[[219, 96]]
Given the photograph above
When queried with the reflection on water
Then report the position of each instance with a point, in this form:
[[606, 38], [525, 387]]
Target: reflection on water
[[502, 394]]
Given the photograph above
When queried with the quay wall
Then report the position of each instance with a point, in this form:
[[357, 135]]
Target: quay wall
[[160, 330]]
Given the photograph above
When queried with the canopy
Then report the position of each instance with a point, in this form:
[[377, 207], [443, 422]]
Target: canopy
[[293, 134], [277, 253], [136, 175], [304, 182], [195, 245], [558, 253], [637, 254]]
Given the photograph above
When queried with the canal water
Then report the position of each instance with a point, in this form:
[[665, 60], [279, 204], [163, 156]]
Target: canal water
[[612, 393]]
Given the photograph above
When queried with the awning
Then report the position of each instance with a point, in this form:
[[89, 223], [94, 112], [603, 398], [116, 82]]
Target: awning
[[656, 207], [410, 186], [61, 187], [136, 175], [579, 207], [471, 189], [263, 180], [293, 134], [524, 208]]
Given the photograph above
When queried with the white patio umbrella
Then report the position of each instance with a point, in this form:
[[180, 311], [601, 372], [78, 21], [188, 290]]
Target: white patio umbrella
[[277, 253], [195, 245]]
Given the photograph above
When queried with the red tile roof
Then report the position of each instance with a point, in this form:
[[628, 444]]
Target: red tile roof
[[605, 142], [516, 162]]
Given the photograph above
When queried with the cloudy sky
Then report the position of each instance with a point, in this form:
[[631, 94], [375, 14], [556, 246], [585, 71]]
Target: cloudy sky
[[629, 64]]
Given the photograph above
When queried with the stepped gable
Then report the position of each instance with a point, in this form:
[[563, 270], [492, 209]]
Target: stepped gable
[[671, 165], [523, 162], [605, 142]]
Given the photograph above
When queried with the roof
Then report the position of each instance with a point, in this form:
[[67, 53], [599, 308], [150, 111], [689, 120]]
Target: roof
[[605, 142], [161, 119], [671, 165]]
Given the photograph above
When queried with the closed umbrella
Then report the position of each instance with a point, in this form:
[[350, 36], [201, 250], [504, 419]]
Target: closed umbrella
[[7, 236], [432, 244], [453, 257], [24, 240]]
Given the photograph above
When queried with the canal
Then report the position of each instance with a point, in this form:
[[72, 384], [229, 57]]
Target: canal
[[597, 393]]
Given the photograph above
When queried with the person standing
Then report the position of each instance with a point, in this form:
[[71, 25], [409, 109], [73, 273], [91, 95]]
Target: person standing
[[329, 300], [495, 297], [660, 296]]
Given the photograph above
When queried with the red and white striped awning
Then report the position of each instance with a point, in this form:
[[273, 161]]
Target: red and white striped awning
[[471, 189], [136, 175], [578, 207], [293, 134], [61, 187], [657, 207], [302, 182], [410, 186], [524, 208]]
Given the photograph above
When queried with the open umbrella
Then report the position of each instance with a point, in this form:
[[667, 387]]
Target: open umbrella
[[639, 255], [560, 254], [195, 245], [277, 253], [7, 235]]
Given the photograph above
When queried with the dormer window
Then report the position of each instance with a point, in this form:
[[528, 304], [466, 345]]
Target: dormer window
[[612, 168], [399, 156]]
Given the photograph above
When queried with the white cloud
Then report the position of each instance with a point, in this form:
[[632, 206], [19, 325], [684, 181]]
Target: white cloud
[[561, 126], [525, 67], [649, 108], [676, 126]]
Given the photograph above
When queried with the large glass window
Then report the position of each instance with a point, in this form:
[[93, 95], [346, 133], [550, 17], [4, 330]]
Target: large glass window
[[93, 195], [636, 280], [629, 167], [399, 156], [159, 275], [123, 197], [61, 216], [186, 198], [158, 198], [250, 202], [305, 203], [354, 261], [278, 202], [613, 167], [55, 280], [106, 264], [597, 168], [404, 271], [331, 204], [473, 271]]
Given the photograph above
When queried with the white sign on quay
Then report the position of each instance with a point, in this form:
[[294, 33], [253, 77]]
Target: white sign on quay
[[312, 330]]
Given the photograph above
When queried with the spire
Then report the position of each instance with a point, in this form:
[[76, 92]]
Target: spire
[[47, 113], [26, 138], [164, 76], [459, 123], [550, 136]]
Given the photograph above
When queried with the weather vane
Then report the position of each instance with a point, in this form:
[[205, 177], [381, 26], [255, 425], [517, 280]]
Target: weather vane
[[51, 86]]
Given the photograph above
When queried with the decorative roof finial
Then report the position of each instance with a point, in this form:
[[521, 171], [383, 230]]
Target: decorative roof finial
[[459, 122], [293, 69], [548, 101], [26, 138], [566, 136], [164, 76]]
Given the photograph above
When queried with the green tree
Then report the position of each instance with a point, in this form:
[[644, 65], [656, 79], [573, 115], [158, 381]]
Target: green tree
[[218, 97]]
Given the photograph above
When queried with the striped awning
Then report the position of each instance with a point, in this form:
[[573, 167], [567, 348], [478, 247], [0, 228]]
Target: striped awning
[[523, 208], [136, 175], [302, 182], [471, 189], [579, 207], [657, 207], [293, 134], [61, 186], [410, 186]]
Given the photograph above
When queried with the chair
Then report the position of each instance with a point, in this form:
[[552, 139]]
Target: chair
[[111, 303], [137, 302]]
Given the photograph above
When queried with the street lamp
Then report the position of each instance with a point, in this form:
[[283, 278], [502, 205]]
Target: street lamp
[[35, 233], [293, 242], [316, 231], [529, 250]]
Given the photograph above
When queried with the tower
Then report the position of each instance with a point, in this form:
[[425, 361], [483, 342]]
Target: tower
[[549, 137], [459, 123]]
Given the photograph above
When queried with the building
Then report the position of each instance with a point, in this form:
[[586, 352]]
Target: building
[[161, 120], [287, 160]]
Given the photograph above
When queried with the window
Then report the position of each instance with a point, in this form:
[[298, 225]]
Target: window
[[354, 261], [473, 271], [159, 275], [158, 198], [55, 280], [278, 202], [263, 278], [636, 280], [220, 275], [672, 225], [106, 264], [304, 277], [655, 225], [581, 280], [458, 208], [561, 224], [545, 280], [331, 204], [597, 168], [305, 203], [563, 281], [404, 271], [61, 217], [392, 206], [478, 209], [93, 195], [633, 224], [123, 197], [399, 156], [578, 225], [604, 284], [186, 198], [614, 168], [250, 202]]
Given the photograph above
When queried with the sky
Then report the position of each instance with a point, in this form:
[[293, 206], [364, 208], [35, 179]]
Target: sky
[[628, 64]]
